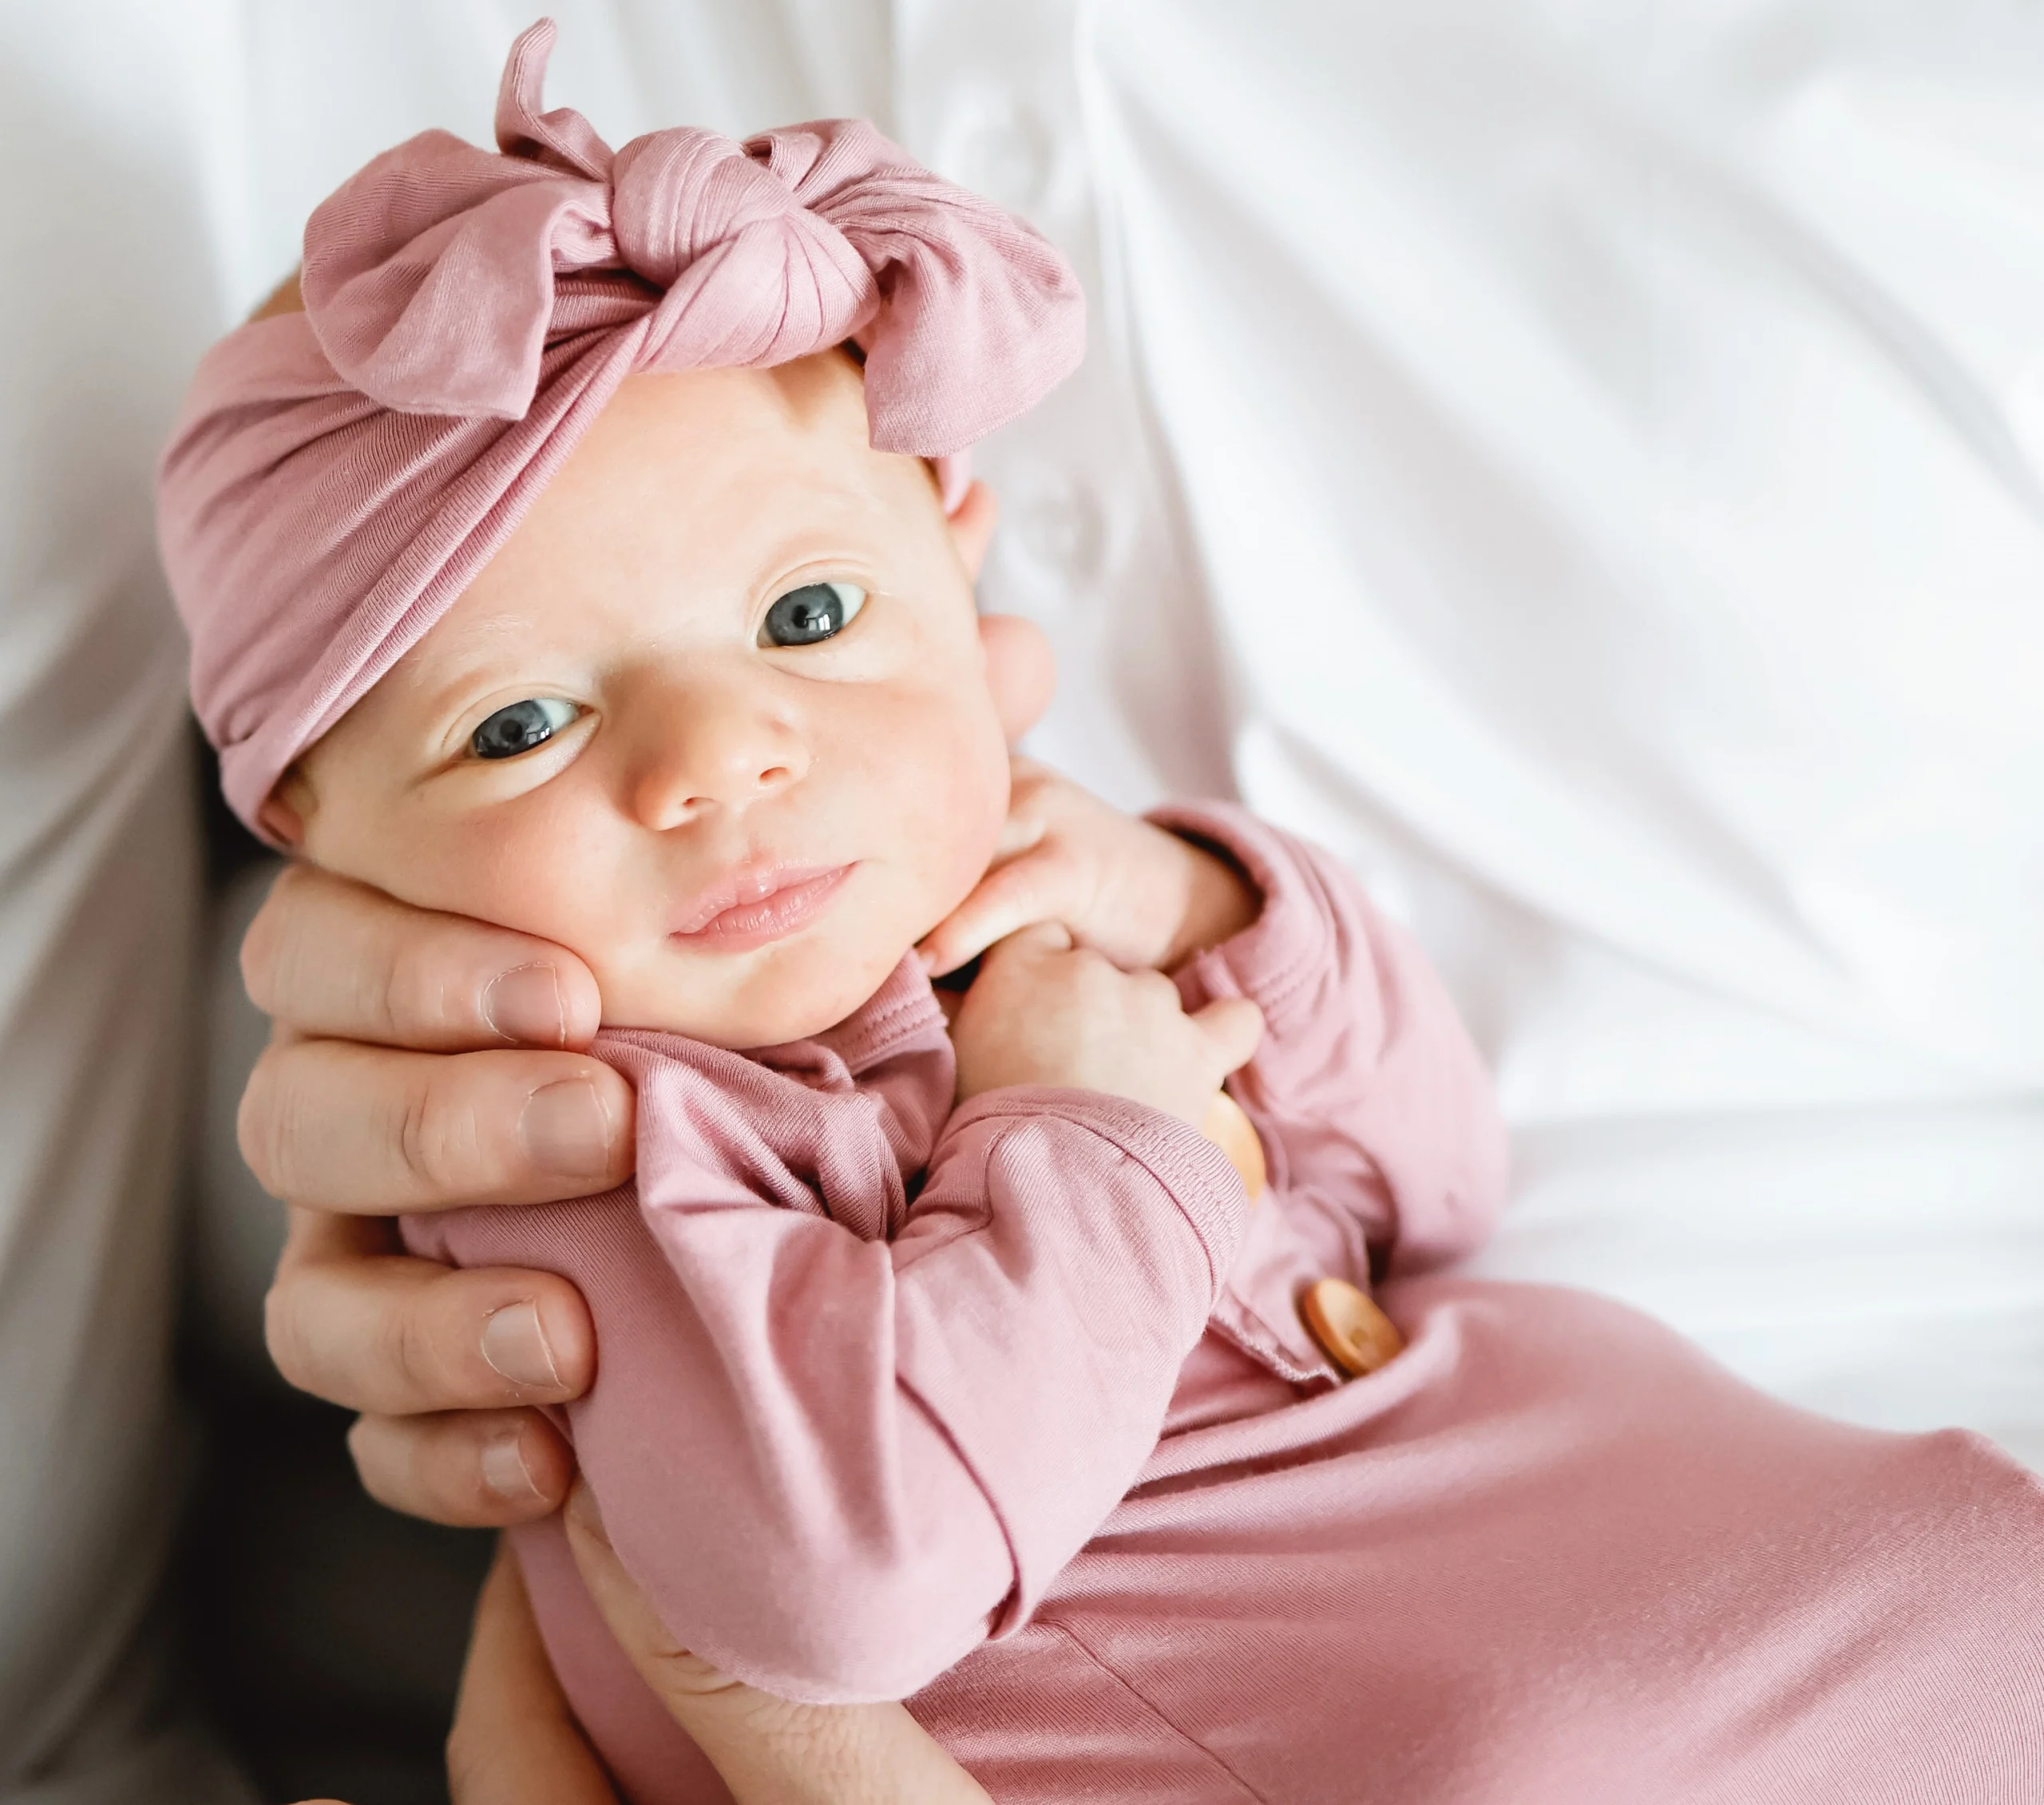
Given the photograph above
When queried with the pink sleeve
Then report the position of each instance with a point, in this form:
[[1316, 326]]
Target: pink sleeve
[[835, 1464], [1372, 1103]]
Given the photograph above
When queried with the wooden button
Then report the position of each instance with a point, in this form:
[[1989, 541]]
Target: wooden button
[[1351, 1330], [1225, 1125]]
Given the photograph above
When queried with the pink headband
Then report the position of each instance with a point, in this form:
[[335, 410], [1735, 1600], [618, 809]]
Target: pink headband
[[340, 476]]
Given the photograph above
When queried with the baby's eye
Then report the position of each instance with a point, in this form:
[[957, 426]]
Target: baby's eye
[[814, 611], [521, 726]]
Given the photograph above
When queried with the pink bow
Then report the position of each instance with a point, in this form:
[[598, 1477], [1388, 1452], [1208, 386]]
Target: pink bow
[[433, 278]]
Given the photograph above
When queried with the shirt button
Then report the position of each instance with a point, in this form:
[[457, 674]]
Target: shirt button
[[1350, 1330]]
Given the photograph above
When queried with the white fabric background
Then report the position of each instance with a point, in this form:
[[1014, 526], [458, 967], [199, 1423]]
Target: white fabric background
[[1578, 458]]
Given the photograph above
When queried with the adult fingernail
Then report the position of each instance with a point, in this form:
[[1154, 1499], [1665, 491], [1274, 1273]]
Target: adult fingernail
[[505, 1471], [515, 1345], [524, 1007], [566, 1128]]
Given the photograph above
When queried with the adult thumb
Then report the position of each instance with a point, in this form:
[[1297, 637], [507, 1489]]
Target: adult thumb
[[674, 1673]]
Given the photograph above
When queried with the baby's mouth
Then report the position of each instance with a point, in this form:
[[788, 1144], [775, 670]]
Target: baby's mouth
[[755, 906]]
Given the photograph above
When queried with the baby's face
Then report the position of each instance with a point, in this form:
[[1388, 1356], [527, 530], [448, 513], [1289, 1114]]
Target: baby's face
[[717, 717]]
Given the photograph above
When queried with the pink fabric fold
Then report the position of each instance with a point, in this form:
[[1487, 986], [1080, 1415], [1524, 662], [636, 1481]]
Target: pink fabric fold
[[338, 477]]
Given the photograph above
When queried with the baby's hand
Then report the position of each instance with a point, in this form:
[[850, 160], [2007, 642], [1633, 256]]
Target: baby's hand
[[1120, 887], [1044, 1011]]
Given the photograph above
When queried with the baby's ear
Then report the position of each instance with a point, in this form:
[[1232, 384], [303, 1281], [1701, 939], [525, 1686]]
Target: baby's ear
[[284, 810], [972, 523], [1021, 670]]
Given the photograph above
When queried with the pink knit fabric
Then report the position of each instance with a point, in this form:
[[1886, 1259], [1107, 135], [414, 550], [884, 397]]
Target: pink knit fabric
[[340, 475], [1008, 1408]]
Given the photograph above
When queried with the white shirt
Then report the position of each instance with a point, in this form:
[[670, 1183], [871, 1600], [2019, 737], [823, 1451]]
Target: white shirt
[[1578, 458]]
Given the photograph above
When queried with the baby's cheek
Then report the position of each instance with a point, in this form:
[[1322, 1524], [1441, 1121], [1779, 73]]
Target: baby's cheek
[[962, 801], [546, 872]]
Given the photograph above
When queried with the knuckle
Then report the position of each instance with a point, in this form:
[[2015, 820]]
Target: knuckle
[[260, 944], [412, 996], [381, 1449], [390, 995], [260, 1129], [367, 1449], [283, 1334], [434, 1132], [411, 1352], [361, 1451], [1099, 974]]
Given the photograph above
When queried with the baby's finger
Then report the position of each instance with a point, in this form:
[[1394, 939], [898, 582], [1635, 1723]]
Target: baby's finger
[[1232, 1027], [1039, 940], [1011, 897]]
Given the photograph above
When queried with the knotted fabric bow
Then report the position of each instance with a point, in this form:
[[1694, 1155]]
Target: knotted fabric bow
[[339, 476]]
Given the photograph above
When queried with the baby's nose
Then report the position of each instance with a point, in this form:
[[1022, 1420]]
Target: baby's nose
[[712, 752]]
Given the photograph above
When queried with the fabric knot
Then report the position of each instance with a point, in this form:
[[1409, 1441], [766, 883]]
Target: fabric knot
[[753, 276], [677, 195]]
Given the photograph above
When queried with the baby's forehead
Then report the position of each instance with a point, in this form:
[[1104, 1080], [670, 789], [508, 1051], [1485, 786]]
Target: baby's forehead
[[799, 421], [713, 468], [693, 496]]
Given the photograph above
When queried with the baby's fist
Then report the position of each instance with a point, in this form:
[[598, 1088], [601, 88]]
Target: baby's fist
[[1044, 1012]]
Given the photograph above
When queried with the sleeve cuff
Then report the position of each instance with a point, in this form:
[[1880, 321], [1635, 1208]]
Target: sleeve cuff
[[1189, 1169], [1277, 960]]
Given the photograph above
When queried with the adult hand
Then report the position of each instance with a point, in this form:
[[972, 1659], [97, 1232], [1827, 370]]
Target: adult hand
[[515, 1741], [423, 1061], [1130, 892]]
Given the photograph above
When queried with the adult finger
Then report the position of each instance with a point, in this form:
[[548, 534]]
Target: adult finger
[[325, 956], [670, 1670], [469, 1470], [352, 1318], [515, 1741], [370, 1130], [1233, 1026]]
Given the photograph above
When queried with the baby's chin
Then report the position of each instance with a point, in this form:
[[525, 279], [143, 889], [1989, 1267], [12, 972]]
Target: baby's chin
[[795, 993]]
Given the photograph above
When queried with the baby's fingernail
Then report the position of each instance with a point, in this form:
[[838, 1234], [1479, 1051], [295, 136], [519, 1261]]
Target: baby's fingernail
[[928, 958], [524, 1007], [515, 1345], [504, 1471], [566, 1128]]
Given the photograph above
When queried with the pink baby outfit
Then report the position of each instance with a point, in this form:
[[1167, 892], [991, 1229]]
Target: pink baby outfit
[[1009, 1409]]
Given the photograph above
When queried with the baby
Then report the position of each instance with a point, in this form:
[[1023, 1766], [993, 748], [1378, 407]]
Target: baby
[[593, 555]]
